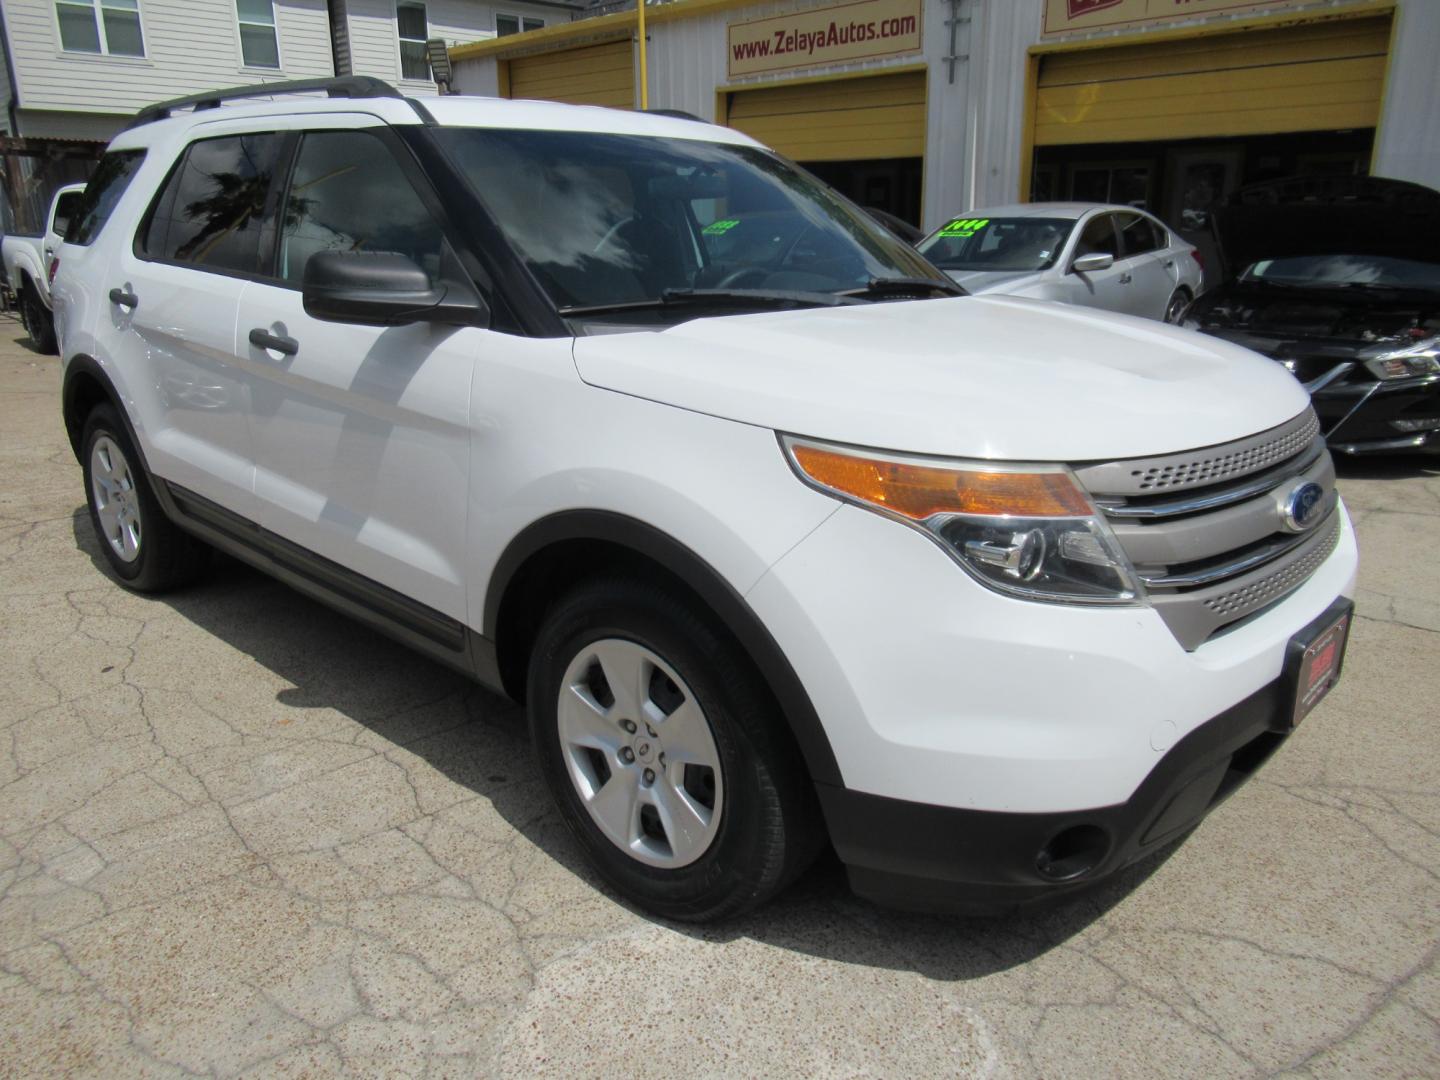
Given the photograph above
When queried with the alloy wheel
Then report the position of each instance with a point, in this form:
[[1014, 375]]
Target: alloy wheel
[[640, 753], [117, 503]]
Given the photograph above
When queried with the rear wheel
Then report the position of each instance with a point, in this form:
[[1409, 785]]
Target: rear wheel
[[39, 323], [1175, 308], [665, 755], [143, 547]]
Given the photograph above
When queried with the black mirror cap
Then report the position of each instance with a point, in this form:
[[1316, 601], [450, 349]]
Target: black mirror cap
[[383, 289]]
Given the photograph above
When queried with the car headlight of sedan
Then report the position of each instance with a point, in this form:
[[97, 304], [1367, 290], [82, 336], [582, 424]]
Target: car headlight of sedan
[[1390, 362], [1025, 530]]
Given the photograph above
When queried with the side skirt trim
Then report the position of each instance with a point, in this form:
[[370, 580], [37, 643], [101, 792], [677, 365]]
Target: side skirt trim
[[392, 613]]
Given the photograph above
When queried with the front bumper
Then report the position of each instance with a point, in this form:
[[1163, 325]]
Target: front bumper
[[931, 858], [971, 728], [1367, 417]]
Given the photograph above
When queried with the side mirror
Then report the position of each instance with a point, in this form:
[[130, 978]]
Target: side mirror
[[1086, 264], [382, 290]]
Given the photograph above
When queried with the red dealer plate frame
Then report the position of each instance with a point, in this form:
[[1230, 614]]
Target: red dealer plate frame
[[1315, 658]]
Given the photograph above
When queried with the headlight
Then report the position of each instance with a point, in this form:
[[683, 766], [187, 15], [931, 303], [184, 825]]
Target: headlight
[[1026, 530], [1387, 362]]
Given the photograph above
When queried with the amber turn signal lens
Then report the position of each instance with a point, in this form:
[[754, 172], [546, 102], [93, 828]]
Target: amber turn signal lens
[[922, 491]]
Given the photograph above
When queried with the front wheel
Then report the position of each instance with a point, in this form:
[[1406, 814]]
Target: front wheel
[[666, 755]]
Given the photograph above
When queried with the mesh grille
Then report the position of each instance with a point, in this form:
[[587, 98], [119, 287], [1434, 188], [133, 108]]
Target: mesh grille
[[1205, 470], [1238, 602]]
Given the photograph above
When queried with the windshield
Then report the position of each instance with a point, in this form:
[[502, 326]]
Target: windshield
[[1000, 245], [604, 219], [1328, 271]]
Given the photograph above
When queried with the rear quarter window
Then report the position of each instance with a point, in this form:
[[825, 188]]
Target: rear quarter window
[[112, 176]]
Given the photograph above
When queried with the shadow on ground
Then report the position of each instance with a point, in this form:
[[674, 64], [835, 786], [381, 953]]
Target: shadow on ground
[[334, 663]]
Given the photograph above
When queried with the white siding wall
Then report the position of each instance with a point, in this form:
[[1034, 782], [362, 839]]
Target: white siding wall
[[190, 46], [375, 41]]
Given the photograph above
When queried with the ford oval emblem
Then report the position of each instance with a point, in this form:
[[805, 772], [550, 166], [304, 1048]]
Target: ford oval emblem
[[1301, 508]]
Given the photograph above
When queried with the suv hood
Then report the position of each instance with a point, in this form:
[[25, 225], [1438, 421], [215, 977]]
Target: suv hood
[[987, 377]]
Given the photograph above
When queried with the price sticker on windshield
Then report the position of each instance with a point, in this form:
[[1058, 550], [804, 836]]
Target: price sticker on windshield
[[964, 228], [720, 228]]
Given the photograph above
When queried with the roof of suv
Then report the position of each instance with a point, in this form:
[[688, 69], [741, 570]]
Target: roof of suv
[[448, 111]]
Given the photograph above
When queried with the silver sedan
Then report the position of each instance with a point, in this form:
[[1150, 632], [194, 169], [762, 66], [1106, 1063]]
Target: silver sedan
[[1112, 257]]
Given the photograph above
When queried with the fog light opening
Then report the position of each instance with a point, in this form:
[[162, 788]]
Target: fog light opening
[[1419, 423], [1073, 852]]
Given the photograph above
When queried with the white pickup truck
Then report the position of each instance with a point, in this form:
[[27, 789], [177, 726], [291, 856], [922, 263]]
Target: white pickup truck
[[27, 266]]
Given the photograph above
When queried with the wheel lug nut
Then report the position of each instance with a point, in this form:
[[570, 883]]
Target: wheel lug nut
[[628, 725], [627, 755], [649, 776]]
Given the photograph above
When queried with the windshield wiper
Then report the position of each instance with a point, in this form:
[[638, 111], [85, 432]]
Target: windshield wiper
[[704, 297], [905, 286]]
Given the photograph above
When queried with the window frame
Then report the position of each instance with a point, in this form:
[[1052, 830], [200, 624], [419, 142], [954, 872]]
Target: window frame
[[1121, 229], [400, 41], [284, 162], [1081, 226], [520, 21], [97, 14], [88, 208], [419, 181], [274, 25]]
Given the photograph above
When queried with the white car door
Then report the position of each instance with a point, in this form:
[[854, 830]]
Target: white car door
[[1106, 288], [1152, 281], [362, 433], [67, 202], [172, 301]]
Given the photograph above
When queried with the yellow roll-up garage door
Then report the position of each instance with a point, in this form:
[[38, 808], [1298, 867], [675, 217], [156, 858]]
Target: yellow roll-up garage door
[[1325, 76], [881, 116], [594, 75]]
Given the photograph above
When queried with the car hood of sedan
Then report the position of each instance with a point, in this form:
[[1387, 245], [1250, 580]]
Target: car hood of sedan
[[979, 281], [988, 377]]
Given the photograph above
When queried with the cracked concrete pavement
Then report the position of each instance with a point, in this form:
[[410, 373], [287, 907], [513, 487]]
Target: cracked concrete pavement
[[240, 835]]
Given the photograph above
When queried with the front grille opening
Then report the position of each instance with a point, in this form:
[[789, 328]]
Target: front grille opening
[[1217, 467]]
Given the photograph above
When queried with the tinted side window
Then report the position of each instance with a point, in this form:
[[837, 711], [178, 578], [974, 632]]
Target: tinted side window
[[1098, 237], [349, 193], [212, 211], [1137, 233], [65, 207], [112, 176]]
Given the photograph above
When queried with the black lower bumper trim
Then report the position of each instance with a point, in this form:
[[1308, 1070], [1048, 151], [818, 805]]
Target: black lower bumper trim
[[923, 857]]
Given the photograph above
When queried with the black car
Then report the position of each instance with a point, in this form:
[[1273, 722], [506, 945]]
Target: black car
[[1338, 278]]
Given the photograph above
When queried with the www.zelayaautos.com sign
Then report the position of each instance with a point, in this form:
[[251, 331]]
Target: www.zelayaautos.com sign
[[825, 35]]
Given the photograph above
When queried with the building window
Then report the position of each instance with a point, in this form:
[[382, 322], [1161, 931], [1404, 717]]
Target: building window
[[505, 25], [80, 30], [410, 23], [259, 45]]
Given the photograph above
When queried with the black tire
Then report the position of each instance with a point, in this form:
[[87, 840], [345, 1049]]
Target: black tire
[[768, 828], [165, 556], [1176, 306], [39, 323]]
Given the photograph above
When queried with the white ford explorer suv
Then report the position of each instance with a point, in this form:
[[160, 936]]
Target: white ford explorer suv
[[780, 539]]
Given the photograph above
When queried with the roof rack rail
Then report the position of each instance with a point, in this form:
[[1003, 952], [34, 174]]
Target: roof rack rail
[[678, 114], [346, 86]]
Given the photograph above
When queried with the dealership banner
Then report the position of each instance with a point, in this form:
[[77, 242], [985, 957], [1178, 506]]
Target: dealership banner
[[827, 35], [1065, 16]]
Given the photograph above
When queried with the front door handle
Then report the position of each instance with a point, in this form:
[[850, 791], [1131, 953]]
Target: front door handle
[[263, 339], [1125, 279], [124, 298]]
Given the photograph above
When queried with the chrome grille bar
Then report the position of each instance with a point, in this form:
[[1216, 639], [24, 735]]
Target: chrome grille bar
[[1216, 499]]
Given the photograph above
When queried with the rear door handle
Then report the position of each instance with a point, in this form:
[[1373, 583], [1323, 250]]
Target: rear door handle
[[124, 298], [263, 339], [1125, 278]]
